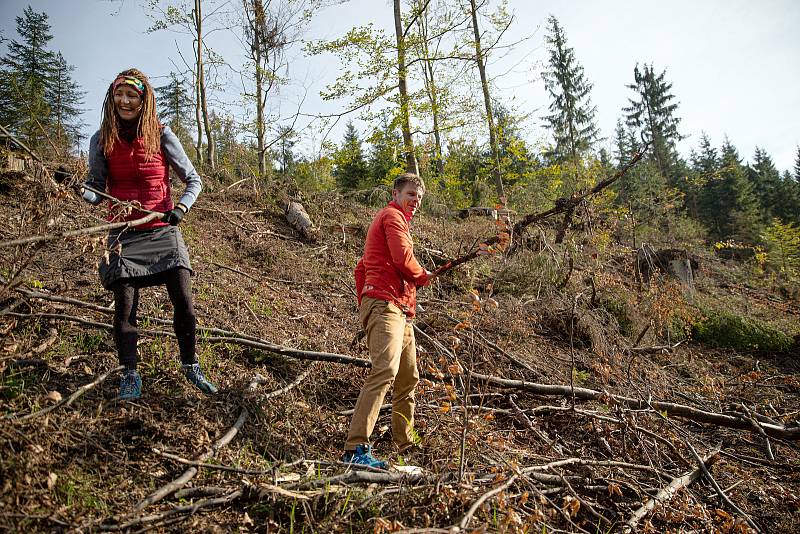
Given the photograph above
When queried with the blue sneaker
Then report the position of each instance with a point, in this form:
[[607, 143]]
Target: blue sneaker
[[195, 375], [363, 456], [130, 385]]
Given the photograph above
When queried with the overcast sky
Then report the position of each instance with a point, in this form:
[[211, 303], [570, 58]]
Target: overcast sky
[[734, 64]]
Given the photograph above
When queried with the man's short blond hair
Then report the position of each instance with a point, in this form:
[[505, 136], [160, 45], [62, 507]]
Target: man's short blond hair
[[408, 178]]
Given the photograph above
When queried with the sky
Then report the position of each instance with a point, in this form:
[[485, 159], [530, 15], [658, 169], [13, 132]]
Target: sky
[[733, 64]]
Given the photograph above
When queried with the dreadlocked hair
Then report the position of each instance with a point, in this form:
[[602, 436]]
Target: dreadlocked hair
[[148, 127]]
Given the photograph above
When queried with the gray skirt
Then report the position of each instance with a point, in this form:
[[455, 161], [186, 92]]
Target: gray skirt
[[132, 254]]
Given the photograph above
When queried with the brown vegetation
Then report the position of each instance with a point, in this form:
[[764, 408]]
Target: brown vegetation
[[551, 380]]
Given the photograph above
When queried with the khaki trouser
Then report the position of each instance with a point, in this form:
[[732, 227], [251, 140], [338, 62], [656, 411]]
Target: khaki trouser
[[393, 352]]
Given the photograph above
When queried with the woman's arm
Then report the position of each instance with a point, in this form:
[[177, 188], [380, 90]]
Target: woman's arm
[[98, 170], [182, 165]]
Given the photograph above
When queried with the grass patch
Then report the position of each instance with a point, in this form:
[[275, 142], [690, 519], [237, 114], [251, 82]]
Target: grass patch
[[723, 329]]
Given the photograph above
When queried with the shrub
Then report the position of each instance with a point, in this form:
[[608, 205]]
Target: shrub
[[724, 329]]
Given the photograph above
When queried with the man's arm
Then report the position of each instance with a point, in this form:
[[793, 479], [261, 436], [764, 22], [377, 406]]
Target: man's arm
[[402, 250], [361, 277]]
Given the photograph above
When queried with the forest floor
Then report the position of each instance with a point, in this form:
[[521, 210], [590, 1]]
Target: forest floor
[[263, 454]]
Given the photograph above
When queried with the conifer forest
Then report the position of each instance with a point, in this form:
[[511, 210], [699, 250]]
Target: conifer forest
[[610, 340]]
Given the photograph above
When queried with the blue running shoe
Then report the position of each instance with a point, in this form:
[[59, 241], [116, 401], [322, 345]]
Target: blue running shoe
[[363, 456], [130, 385], [195, 375]]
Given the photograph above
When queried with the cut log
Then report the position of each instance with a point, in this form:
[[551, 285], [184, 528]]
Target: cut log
[[674, 262], [298, 217]]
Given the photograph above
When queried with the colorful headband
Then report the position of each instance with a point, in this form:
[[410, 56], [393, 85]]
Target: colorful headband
[[134, 82]]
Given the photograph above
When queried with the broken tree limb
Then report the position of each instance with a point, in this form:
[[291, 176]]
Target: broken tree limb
[[669, 490], [562, 205], [187, 475], [81, 231], [725, 499], [672, 409], [69, 400], [483, 498], [247, 341]]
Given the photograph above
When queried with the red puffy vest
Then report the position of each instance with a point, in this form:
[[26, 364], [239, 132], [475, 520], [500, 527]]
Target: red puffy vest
[[133, 177]]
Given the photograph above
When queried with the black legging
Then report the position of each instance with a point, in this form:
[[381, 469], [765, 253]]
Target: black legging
[[126, 301]]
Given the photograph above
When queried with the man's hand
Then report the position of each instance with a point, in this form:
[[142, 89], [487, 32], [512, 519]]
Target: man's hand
[[175, 215]]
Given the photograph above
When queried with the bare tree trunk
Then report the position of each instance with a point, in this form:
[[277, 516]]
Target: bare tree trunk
[[498, 180], [431, 89], [258, 11], [405, 123], [198, 115], [201, 84]]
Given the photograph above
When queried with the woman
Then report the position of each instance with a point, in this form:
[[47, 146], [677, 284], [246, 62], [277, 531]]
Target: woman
[[129, 158]]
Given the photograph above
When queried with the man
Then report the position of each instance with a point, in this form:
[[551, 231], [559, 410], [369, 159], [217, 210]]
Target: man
[[387, 277]]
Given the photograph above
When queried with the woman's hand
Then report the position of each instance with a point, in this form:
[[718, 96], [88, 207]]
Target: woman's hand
[[175, 215]]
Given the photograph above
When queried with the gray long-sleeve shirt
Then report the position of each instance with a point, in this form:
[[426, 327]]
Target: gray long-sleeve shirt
[[176, 158]]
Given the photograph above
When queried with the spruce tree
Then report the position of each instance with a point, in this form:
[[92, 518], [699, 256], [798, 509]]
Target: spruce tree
[[788, 208], [38, 96], [652, 114], [175, 105], [765, 179], [28, 71], [797, 166], [350, 168], [385, 155], [65, 98], [730, 207], [572, 115], [704, 164]]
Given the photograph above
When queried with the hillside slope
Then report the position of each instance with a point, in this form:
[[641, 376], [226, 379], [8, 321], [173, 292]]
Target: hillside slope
[[499, 456]]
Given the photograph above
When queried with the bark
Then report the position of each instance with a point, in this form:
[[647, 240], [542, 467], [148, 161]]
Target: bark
[[479, 60], [408, 142], [201, 86], [298, 217]]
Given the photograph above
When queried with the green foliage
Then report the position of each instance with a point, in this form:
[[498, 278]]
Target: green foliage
[[175, 105], [728, 205], [725, 329], [783, 245], [39, 100], [350, 169], [529, 274], [651, 115], [572, 115]]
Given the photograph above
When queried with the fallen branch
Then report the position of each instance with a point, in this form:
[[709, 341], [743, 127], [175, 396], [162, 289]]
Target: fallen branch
[[668, 491], [671, 409], [725, 499], [352, 477], [239, 339], [483, 498], [82, 231], [563, 205], [187, 475], [66, 402]]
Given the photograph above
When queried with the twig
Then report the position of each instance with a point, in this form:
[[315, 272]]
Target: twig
[[721, 493], [187, 475], [760, 430], [82, 231], [668, 491], [68, 401], [482, 499]]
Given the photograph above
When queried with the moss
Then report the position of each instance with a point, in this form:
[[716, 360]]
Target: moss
[[723, 329]]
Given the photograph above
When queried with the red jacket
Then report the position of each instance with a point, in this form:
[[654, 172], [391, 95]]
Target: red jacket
[[132, 177], [388, 269]]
